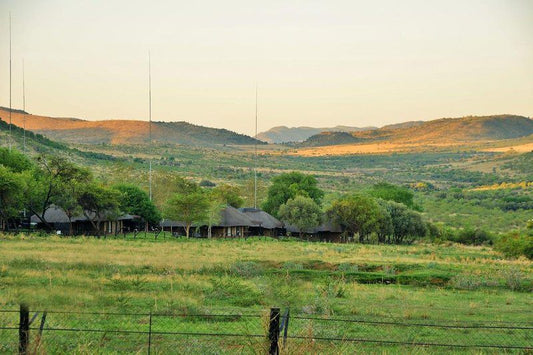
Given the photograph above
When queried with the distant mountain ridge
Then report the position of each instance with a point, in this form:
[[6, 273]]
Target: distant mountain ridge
[[75, 130], [284, 134], [440, 131]]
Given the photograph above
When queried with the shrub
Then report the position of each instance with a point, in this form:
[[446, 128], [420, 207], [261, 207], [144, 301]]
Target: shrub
[[473, 236], [515, 244]]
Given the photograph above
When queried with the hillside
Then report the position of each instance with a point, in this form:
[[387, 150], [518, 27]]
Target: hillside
[[73, 130], [37, 144], [331, 138], [443, 131], [283, 134]]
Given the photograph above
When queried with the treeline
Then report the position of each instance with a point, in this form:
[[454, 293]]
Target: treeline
[[505, 199], [385, 213], [35, 186]]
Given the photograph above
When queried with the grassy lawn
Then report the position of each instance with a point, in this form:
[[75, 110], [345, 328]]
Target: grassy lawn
[[414, 284], [191, 276]]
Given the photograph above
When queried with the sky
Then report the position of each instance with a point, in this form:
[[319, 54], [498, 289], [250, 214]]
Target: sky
[[315, 63]]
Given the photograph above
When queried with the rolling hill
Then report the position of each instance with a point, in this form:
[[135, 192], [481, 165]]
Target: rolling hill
[[441, 131], [74, 130], [283, 134]]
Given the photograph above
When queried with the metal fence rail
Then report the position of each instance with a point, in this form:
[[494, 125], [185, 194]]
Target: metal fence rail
[[271, 332]]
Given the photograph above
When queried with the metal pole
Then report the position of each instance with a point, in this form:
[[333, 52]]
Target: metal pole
[[150, 123], [23, 108], [10, 108], [255, 152]]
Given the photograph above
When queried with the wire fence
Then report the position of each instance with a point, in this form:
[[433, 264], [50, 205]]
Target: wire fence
[[272, 331]]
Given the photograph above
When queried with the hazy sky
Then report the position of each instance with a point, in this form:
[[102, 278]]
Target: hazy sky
[[317, 63]]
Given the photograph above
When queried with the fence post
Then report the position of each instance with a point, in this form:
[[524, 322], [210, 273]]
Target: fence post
[[286, 327], [24, 329], [273, 331], [150, 334]]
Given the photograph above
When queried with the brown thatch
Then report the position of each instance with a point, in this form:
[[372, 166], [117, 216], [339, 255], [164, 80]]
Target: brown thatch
[[261, 218]]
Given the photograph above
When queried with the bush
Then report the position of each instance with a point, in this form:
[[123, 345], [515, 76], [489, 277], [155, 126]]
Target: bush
[[473, 236], [515, 244]]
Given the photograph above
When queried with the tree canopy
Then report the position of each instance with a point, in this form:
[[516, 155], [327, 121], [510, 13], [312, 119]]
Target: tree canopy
[[357, 214], [390, 192], [135, 201], [188, 208], [302, 212], [287, 186], [228, 194]]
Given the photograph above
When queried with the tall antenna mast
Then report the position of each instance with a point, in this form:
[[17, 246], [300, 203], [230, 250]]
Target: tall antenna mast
[[150, 122], [23, 109], [255, 151], [10, 108]]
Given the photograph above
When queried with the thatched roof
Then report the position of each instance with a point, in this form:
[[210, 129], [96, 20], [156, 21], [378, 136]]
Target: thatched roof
[[323, 228], [232, 217], [261, 218], [169, 223], [229, 217], [55, 214]]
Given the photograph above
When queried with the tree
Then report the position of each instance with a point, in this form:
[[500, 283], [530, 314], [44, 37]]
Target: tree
[[287, 186], [405, 222], [165, 184], [47, 185], [135, 201], [188, 208], [99, 202], [228, 194], [11, 197], [248, 192], [385, 225], [302, 212], [213, 215], [357, 214], [14, 160], [390, 192], [71, 187]]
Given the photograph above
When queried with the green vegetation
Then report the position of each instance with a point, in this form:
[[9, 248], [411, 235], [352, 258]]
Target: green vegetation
[[289, 185], [135, 201], [189, 208], [302, 212], [188, 276]]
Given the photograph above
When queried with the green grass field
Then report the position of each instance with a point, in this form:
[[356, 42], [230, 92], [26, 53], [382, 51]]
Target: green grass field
[[448, 284]]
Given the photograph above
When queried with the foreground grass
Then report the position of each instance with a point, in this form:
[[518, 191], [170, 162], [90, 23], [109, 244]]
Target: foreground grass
[[196, 276], [407, 284]]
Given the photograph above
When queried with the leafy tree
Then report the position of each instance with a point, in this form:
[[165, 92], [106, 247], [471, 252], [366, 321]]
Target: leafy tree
[[11, 197], [135, 201], [14, 160], [390, 192], [99, 202], [287, 186], [248, 191], [188, 208], [385, 227], [48, 185], [165, 185], [71, 187], [228, 194], [302, 212], [357, 214], [405, 222], [213, 215]]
